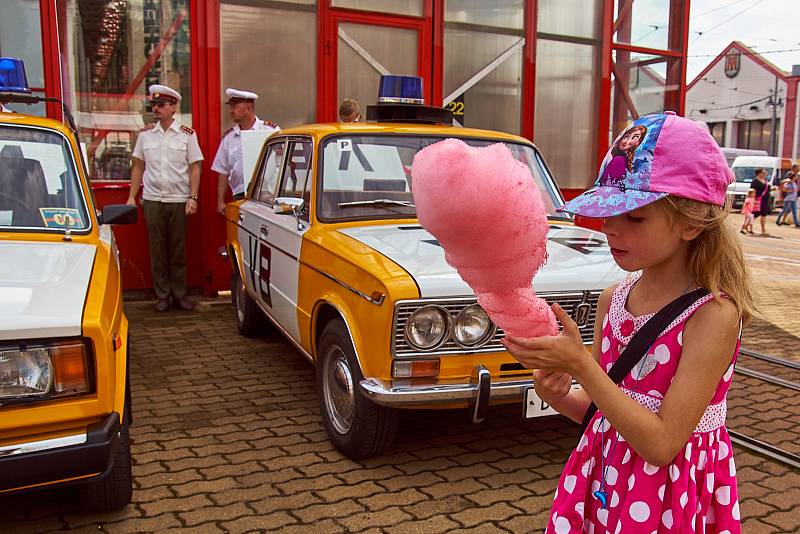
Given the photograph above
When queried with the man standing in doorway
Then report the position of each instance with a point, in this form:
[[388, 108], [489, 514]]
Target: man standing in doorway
[[228, 161], [167, 159]]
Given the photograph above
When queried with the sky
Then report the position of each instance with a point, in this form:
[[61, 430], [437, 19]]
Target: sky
[[764, 25]]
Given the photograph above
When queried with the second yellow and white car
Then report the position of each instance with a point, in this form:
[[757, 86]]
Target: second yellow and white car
[[327, 246]]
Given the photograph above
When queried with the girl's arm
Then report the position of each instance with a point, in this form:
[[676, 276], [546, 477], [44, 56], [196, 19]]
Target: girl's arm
[[574, 403], [709, 340]]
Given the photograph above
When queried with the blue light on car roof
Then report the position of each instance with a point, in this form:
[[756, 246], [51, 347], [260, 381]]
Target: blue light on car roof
[[12, 76], [400, 90]]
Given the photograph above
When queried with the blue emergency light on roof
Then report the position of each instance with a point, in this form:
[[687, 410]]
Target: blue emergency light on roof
[[400, 99], [400, 90], [12, 76]]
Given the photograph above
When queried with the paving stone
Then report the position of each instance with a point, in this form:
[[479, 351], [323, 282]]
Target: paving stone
[[434, 525], [480, 514], [215, 513], [384, 518]]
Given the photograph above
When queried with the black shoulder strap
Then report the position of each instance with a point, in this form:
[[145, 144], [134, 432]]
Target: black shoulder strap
[[643, 339]]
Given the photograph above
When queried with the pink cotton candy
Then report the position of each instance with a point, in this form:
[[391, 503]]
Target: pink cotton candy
[[484, 208]]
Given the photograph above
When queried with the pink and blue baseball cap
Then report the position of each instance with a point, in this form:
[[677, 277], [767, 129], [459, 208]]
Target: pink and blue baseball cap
[[657, 155]]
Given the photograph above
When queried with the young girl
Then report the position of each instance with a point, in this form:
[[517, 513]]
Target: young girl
[[656, 456], [747, 210]]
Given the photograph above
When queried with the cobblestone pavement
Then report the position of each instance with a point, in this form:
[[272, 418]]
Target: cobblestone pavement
[[227, 438]]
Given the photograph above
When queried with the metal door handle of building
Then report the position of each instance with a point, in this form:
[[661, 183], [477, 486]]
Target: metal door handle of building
[[264, 230]]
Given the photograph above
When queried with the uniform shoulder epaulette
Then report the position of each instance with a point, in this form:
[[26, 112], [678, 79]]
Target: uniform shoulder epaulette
[[187, 130], [272, 124], [148, 127], [229, 130]]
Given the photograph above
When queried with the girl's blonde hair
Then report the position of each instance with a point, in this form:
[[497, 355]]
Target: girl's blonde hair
[[716, 261]]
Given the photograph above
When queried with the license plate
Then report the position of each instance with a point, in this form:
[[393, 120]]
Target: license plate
[[533, 406]]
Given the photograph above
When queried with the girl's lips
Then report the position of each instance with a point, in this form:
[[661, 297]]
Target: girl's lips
[[617, 252]]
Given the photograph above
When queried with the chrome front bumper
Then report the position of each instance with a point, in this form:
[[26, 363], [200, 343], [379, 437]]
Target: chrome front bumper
[[477, 392]]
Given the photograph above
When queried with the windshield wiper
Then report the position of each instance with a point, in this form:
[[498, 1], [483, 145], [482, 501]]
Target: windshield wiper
[[377, 202]]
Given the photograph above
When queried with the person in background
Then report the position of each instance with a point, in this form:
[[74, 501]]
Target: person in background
[[349, 111], [228, 161], [789, 187], [747, 211], [761, 209], [166, 158]]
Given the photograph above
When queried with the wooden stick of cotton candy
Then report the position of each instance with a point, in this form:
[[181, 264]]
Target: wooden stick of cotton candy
[[486, 212]]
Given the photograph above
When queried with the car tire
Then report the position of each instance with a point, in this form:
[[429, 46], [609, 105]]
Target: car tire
[[249, 319], [356, 426], [116, 489]]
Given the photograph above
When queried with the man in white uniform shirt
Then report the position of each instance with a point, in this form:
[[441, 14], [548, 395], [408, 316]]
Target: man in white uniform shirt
[[167, 159], [228, 161]]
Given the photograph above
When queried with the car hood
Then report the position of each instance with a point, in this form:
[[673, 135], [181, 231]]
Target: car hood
[[579, 259], [43, 288]]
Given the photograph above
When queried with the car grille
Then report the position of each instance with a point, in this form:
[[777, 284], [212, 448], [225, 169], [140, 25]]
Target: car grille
[[403, 310]]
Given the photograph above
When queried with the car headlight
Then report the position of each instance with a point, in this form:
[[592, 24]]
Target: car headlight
[[50, 370], [427, 327], [472, 326]]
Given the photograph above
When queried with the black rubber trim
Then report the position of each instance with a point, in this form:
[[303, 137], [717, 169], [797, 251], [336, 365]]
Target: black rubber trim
[[94, 456]]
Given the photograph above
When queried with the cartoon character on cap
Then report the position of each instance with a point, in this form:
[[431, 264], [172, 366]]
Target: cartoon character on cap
[[622, 154]]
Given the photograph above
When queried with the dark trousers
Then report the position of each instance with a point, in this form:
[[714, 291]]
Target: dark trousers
[[166, 230]]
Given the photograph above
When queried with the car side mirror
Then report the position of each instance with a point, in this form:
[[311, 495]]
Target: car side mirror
[[288, 205], [119, 214], [291, 206]]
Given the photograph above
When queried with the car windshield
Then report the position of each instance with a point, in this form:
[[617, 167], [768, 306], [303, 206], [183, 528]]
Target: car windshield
[[748, 174], [369, 176], [39, 187]]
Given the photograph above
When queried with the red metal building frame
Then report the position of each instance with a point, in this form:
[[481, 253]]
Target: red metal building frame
[[207, 269]]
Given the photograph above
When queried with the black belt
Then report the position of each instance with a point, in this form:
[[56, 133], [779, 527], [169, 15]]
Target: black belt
[[238, 196]]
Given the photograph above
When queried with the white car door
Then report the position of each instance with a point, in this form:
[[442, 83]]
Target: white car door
[[254, 227], [284, 234]]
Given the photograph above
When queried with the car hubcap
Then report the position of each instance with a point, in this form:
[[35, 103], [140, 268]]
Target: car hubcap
[[240, 296], [339, 391]]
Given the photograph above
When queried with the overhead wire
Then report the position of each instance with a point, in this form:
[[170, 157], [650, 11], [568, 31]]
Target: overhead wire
[[728, 19]]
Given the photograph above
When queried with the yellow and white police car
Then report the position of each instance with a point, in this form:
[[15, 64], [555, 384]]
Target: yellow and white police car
[[326, 245], [64, 388]]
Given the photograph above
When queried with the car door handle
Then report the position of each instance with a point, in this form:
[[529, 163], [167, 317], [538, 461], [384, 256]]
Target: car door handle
[[241, 218], [264, 230]]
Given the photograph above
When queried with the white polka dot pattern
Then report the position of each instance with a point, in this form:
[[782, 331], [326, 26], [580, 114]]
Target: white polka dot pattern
[[713, 417]]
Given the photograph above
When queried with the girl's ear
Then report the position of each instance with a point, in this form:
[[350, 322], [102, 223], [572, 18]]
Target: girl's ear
[[689, 233]]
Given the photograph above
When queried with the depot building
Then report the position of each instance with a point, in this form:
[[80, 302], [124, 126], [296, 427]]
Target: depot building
[[568, 74]]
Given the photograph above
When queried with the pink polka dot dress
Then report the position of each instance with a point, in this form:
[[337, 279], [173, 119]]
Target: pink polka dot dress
[[695, 493]]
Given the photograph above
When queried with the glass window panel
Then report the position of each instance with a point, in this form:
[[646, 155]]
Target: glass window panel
[[500, 13], [413, 8], [578, 18], [645, 23], [365, 48], [270, 173], [21, 37], [297, 170], [494, 102], [565, 125], [642, 84], [107, 46], [281, 69]]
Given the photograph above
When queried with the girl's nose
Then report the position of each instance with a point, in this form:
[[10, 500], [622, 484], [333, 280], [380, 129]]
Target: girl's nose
[[607, 227]]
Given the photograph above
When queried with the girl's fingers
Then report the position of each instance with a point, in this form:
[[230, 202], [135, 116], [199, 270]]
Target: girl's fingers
[[570, 328]]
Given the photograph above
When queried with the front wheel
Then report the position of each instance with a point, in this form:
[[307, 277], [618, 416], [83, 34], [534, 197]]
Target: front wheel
[[356, 426], [248, 317], [116, 489]]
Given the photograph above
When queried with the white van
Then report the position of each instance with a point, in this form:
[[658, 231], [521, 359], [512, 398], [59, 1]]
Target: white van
[[732, 153], [744, 168]]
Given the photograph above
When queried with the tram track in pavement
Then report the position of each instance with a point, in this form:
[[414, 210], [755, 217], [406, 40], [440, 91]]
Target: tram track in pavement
[[785, 366]]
